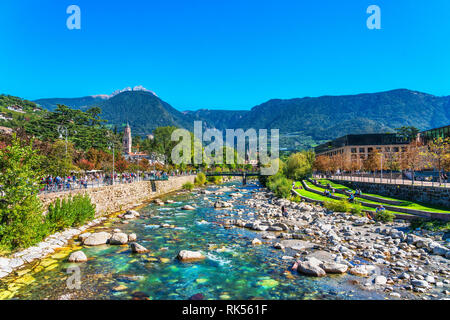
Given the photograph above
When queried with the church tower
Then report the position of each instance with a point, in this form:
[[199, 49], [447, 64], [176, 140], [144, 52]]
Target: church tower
[[126, 141]]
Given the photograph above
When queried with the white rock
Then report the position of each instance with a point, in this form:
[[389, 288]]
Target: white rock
[[97, 239], [188, 207], [186, 255], [256, 241], [118, 238], [380, 280], [77, 256]]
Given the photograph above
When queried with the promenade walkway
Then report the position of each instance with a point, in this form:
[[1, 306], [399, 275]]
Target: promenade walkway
[[385, 180]]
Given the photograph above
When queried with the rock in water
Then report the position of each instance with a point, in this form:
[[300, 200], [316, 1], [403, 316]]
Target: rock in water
[[132, 237], [197, 296], [222, 204], [188, 207], [77, 256], [186, 255], [137, 248], [256, 241], [97, 239], [118, 238], [310, 269]]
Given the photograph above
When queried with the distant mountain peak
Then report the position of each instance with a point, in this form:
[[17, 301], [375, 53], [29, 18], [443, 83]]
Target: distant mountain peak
[[136, 88]]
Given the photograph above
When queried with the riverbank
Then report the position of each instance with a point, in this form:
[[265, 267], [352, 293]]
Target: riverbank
[[388, 257], [109, 201]]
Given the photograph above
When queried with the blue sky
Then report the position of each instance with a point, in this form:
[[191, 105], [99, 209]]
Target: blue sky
[[230, 54]]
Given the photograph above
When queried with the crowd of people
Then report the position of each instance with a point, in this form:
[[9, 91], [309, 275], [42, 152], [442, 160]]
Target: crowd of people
[[95, 179]]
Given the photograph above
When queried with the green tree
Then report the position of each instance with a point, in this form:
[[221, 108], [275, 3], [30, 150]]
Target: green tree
[[408, 132], [20, 207], [298, 166]]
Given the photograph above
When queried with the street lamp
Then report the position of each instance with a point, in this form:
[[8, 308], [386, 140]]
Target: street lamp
[[62, 130], [111, 146]]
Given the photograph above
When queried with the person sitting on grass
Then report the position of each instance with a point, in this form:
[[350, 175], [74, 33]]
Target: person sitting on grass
[[380, 209], [351, 198], [327, 193]]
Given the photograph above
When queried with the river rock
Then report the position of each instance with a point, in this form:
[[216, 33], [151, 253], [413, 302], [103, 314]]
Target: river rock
[[310, 268], [132, 237], [420, 283], [380, 280], [186, 255], [188, 207], [77, 256], [83, 236], [362, 270], [330, 267], [137, 248], [222, 204], [133, 212], [4, 262], [97, 239], [118, 238], [256, 241]]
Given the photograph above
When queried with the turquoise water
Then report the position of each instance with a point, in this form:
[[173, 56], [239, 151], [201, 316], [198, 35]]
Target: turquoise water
[[233, 269]]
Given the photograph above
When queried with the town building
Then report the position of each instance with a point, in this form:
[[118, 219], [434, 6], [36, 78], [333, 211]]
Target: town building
[[429, 135], [358, 147], [127, 140]]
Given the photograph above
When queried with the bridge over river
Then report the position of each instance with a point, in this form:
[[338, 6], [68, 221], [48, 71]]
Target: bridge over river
[[243, 174]]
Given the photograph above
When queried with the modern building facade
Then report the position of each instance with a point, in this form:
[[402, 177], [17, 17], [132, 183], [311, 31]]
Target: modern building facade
[[429, 135], [358, 147]]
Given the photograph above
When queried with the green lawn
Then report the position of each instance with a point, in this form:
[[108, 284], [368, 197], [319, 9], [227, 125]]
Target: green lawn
[[405, 204], [315, 196]]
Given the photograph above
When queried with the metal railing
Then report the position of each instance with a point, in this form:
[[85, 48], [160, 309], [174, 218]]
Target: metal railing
[[383, 179], [81, 184]]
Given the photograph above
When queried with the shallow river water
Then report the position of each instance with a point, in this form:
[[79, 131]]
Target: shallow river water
[[233, 269]]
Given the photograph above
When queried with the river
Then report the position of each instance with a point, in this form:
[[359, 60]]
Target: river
[[233, 269]]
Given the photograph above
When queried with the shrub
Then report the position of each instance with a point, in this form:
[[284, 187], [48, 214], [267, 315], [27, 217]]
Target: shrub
[[280, 185], [20, 208], [70, 212], [384, 216], [188, 186], [356, 209], [215, 179], [432, 225], [200, 179], [338, 206]]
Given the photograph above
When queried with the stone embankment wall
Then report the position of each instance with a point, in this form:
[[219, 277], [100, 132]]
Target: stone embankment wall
[[429, 195], [110, 199]]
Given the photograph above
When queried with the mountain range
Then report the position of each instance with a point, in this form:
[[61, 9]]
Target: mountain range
[[303, 122]]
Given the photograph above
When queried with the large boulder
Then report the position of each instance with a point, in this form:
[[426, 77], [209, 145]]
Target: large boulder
[[186, 255], [97, 239], [83, 236], [137, 248], [118, 238], [77, 256], [331, 267], [310, 268]]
